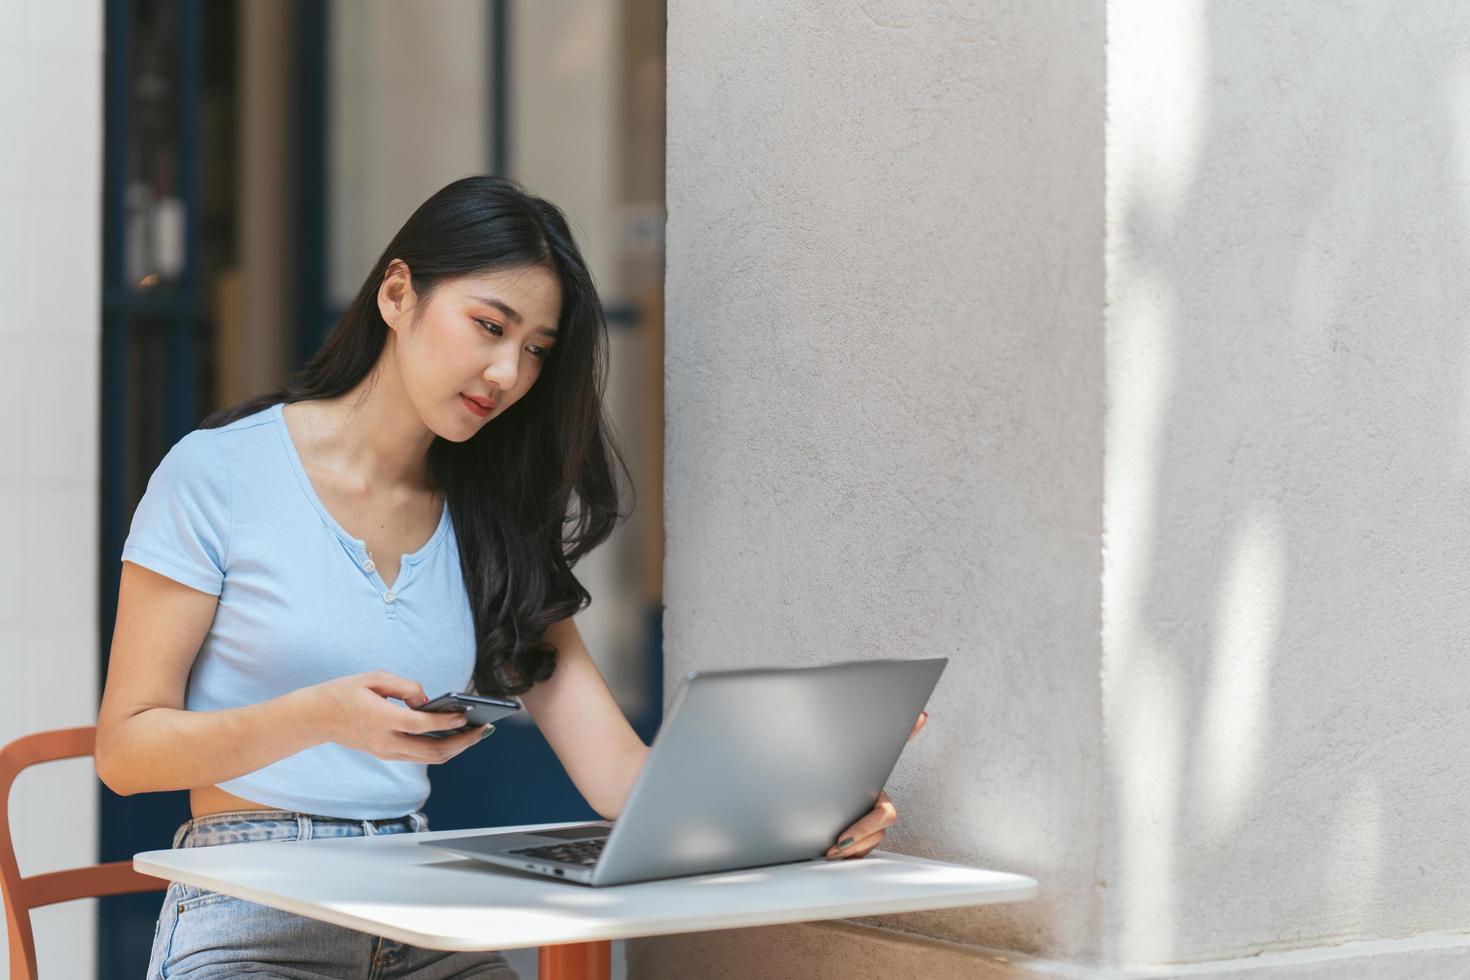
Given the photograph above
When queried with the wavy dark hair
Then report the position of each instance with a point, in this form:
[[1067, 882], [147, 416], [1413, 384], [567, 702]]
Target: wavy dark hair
[[534, 490]]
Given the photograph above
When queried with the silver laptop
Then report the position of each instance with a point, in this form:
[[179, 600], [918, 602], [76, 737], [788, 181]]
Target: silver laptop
[[750, 768]]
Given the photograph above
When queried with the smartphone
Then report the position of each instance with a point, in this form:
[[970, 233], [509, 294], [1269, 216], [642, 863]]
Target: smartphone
[[478, 710]]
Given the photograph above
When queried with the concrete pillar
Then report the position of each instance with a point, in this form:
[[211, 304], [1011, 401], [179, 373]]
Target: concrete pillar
[[884, 389], [1116, 351], [1286, 479]]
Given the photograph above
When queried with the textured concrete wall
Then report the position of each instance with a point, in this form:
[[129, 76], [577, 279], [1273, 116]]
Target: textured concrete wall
[[841, 951], [815, 951], [885, 435], [1288, 483], [884, 400]]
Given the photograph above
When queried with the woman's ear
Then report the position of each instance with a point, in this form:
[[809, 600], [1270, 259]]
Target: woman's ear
[[395, 293]]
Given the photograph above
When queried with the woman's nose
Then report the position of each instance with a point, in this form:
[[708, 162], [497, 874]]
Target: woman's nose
[[502, 370]]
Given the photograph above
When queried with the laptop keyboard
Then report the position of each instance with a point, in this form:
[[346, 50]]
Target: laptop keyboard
[[583, 852]]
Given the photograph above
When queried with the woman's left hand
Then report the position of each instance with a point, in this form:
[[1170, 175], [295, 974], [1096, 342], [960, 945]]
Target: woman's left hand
[[867, 833]]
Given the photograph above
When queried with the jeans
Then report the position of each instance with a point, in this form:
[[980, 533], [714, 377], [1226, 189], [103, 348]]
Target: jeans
[[205, 934]]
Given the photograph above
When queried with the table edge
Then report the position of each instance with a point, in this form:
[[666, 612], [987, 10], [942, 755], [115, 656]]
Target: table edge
[[1021, 888]]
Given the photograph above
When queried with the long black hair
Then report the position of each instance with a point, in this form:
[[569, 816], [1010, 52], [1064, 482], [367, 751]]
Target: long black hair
[[534, 490]]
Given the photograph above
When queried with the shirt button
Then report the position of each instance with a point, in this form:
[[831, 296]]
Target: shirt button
[[389, 596], [368, 565]]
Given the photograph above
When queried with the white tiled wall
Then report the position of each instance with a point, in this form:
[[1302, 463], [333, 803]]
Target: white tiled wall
[[50, 266]]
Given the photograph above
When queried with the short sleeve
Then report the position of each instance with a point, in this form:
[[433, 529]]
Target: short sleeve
[[181, 527]]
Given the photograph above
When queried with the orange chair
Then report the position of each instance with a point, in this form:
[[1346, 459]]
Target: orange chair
[[573, 961], [23, 894]]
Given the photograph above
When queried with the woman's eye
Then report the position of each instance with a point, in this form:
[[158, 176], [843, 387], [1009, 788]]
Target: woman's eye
[[537, 352]]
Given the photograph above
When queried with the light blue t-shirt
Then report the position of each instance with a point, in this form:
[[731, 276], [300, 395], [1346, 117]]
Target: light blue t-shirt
[[230, 511]]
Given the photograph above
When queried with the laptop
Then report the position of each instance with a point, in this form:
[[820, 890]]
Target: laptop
[[750, 768]]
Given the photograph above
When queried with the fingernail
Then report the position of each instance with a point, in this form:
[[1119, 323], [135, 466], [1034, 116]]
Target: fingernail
[[486, 731], [845, 843]]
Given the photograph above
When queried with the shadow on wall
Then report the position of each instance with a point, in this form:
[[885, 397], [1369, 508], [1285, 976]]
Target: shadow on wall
[[1287, 514]]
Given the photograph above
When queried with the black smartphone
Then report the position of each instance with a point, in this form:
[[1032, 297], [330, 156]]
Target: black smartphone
[[478, 710]]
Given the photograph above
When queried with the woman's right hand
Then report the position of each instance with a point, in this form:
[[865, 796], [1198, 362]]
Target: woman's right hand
[[355, 711]]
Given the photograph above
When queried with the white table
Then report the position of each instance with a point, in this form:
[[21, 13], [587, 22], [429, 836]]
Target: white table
[[391, 886]]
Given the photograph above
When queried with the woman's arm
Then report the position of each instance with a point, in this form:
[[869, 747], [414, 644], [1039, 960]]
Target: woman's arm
[[145, 740], [148, 742], [576, 712]]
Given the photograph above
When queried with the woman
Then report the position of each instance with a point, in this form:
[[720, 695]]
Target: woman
[[400, 521]]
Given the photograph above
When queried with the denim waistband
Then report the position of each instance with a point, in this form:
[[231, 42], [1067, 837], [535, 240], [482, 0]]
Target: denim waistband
[[241, 826]]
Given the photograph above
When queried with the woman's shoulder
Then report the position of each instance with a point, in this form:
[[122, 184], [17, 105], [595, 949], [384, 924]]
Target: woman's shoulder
[[256, 419], [210, 454], [233, 438]]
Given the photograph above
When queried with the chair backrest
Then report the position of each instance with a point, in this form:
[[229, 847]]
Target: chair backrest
[[23, 894]]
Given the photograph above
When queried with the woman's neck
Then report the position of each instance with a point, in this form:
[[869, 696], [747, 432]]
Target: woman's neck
[[369, 443]]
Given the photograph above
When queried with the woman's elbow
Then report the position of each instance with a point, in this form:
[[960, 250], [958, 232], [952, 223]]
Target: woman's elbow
[[107, 770]]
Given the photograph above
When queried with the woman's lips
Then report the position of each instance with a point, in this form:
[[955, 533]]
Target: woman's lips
[[479, 410]]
